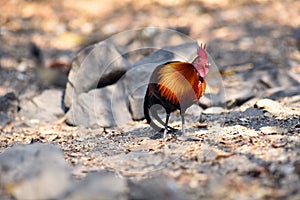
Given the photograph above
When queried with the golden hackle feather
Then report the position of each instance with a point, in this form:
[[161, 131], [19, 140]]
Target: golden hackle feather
[[178, 83]]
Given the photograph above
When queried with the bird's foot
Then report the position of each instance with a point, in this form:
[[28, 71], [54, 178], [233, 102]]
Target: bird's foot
[[173, 129], [170, 130], [163, 133]]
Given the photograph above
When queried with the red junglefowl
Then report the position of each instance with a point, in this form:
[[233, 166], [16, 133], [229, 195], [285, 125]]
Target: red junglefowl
[[175, 85]]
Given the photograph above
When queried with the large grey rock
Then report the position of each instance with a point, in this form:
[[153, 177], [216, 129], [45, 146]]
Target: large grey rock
[[46, 107], [99, 186], [137, 78], [103, 107], [96, 66], [35, 171]]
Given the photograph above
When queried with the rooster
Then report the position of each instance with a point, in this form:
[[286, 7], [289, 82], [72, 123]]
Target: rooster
[[175, 86]]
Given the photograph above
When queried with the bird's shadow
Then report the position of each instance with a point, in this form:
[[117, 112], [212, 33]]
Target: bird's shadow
[[160, 134]]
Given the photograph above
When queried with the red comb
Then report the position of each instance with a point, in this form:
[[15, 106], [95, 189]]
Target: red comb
[[201, 51], [203, 46]]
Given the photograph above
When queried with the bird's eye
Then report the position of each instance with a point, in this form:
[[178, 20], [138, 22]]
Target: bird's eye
[[208, 64]]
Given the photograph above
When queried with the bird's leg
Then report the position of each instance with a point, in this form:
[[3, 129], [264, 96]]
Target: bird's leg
[[182, 123], [166, 124]]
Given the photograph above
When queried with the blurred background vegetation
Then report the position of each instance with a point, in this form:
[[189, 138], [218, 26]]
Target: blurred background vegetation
[[237, 32]]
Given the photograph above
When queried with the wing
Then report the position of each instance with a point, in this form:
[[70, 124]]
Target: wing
[[178, 83]]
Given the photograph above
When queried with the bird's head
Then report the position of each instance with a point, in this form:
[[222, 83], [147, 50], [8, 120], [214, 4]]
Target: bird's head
[[201, 63]]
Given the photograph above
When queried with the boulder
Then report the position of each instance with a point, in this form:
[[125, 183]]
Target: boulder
[[103, 107], [96, 66], [46, 107]]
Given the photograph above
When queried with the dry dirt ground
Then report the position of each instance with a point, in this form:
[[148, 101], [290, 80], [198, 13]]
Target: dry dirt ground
[[250, 151]]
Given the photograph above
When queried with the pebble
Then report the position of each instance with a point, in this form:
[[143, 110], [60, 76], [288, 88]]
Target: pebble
[[194, 110], [269, 105], [268, 130], [214, 110]]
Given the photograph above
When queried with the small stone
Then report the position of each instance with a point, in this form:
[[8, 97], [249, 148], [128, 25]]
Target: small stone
[[250, 133], [268, 130], [269, 105], [252, 112], [281, 142], [214, 110], [269, 115], [201, 125]]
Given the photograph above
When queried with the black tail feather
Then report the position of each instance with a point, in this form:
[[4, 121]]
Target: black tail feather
[[151, 105], [148, 103]]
